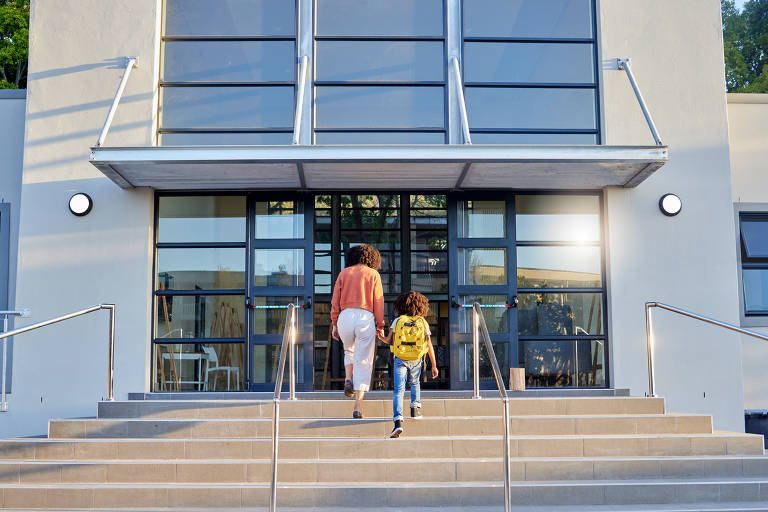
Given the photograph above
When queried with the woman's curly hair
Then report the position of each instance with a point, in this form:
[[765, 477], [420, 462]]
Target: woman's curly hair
[[411, 304], [365, 254]]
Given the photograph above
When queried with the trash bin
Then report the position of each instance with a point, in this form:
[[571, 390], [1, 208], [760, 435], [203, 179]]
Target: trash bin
[[756, 422]]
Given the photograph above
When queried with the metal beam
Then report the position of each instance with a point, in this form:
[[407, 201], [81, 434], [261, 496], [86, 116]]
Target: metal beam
[[130, 63], [462, 102], [297, 120], [623, 64]]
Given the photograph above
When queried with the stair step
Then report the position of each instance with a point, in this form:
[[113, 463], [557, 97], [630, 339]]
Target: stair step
[[385, 494], [382, 469], [405, 447], [248, 409], [372, 427]]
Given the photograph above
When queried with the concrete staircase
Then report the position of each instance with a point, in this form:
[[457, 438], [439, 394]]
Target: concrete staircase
[[589, 451]]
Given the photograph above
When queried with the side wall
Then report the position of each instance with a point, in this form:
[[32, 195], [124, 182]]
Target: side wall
[[687, 260], [747, 115], [77, 50]]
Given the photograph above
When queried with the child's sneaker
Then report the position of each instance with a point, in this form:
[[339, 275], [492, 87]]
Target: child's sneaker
[[416, 413], [396, 431]]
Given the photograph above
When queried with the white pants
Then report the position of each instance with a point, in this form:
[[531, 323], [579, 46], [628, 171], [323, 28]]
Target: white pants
[[357, 330]]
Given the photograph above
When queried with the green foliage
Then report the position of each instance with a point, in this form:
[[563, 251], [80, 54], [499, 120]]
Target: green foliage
[[14, 43], [745, 40]]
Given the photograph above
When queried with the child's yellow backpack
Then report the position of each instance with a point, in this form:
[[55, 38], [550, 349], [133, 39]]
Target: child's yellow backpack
[[409, 339]]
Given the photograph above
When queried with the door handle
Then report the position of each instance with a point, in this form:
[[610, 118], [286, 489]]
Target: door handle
[[307, 303], [514, 301]]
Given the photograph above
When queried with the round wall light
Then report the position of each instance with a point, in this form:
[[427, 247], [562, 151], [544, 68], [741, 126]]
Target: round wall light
[[80, 204], [670, 205]]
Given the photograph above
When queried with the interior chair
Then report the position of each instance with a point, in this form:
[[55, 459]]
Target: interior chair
[[212, 367]]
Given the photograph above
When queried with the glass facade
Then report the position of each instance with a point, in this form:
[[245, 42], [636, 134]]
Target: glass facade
[[754, 263]]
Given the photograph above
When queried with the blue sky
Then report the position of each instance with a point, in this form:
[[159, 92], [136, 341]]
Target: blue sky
[[740, 3]]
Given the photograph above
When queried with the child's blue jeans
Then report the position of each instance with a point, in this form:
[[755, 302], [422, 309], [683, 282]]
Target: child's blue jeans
[[412, 370]]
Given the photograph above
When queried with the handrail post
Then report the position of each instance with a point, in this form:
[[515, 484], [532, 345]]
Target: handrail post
[[130, 63], [3, 400], [462, 102], [292, 357], [623, 64], [650, 348], [111, 360], [299, 111], [275, 421], [476, 354]]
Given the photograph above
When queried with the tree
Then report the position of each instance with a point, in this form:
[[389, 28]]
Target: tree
[[14, 43], [745, 41]]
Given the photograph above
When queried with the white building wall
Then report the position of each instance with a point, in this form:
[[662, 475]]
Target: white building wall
[[77, 49], [748, 130], [688, 260]]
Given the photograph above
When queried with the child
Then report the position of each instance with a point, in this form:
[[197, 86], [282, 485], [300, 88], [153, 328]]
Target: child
[[410, 338]]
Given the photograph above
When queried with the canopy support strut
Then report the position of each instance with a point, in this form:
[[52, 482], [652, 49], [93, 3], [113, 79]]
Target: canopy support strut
[[130, 63], [623, 65]]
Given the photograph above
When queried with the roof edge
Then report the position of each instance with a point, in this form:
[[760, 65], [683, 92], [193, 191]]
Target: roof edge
[[745, 98]]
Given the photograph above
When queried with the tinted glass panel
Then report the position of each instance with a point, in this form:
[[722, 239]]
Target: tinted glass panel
[[528, 18], [429, 240], [755, 290], [482, 267], [279, 219], [534, 138], [266, 359], [272, 320], [201, 219], [200, 269], [388, 61], [529, 62], [754, 234], [496, 319], [482, 219], [198, 367], [590, 358], [558, 267], [531, 108], [227, 107], [558, 218], [229, 17], [429, 283], [546, 314], [229, 61], [379, 107], [199, 316], [429, 261], [466, 361], [377, 18], [548, 363], [278, 267], [380, 138], [429, 219], [225, 139]]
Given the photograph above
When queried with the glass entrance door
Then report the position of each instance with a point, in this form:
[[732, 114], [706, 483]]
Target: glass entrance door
[[280, 270], [482, 270]]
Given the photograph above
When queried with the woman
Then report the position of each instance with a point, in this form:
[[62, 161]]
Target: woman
[[357, 315]]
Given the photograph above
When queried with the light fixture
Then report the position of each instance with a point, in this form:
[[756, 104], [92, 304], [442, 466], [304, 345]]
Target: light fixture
[[80, 204], [670, 205]]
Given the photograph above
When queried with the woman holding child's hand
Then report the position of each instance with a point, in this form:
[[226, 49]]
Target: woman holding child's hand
[[357, 315]]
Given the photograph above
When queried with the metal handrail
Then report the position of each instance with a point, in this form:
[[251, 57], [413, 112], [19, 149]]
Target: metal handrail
[[6, 314], [478, 321], [300, 99], [111, 333], [289, 338], [689, 314], [462, 102], [130, 63], [623, 65]]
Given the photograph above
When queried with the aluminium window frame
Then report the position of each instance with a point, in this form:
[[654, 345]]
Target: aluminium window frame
[[755, 211]]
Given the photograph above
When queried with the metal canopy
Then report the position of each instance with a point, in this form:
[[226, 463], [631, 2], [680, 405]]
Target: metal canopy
[[436, 167]]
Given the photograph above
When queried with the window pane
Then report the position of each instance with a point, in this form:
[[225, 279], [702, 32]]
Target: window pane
[[755, 290], [278, 267], [225, 139], [466, 362], [279, 219], [535, 138], [382, 240], [230, 17], [528, 18], [199, 316], [370, 201], [266, 359], [201, 219], [429, 283], [429, 219], [386, 61], [529, 62], [429, 261], [200, 269], [370, 218], [548, 364], [425, 201], [558, 267], [198, 367], [568, 218], [567, 314], [379, 107], [591, 363], [523, 108], [482, 267], [229, 61], [380, 137], [482, 219], [377, 18], [429, 240], [272, 320], [754, 234], [227, 107], [496, 319]]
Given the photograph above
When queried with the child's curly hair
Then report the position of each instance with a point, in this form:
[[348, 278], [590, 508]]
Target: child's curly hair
[[412, 304], [365, 254]]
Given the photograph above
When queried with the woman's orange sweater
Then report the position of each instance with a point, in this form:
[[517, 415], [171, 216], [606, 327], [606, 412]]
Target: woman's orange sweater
[[358, 286]]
